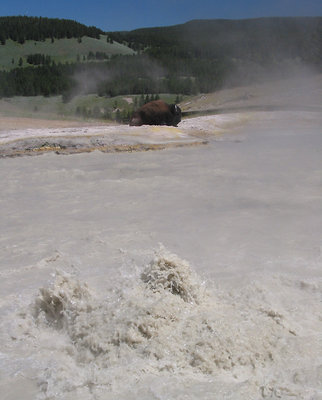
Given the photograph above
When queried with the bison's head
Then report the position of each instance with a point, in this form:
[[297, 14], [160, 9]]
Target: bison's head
[[176, 111]]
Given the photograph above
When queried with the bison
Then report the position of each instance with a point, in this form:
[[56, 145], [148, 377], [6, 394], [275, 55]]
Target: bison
[[156, 113]]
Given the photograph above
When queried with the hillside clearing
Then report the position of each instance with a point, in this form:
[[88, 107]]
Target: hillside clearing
[[60, 50]]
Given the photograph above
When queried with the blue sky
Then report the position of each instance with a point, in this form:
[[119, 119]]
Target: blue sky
[[111, 15]]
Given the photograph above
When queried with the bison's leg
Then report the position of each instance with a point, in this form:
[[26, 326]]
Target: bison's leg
[[136, 121]]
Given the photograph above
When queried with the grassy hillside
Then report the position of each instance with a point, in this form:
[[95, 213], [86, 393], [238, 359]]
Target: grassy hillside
[[60, 50]]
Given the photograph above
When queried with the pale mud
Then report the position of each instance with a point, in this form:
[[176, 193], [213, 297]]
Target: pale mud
[[90, 311], [106, 138], [19, 123]]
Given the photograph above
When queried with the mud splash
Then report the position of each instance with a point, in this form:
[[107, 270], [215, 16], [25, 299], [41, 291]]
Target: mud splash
[[161, 323]]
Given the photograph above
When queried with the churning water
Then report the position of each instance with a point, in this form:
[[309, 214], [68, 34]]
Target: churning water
[[161, 325]]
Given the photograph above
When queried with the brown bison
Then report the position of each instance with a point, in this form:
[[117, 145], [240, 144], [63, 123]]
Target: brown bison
[[156, 113]]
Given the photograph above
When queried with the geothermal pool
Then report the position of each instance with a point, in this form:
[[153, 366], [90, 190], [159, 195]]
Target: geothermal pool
[[186, 273]]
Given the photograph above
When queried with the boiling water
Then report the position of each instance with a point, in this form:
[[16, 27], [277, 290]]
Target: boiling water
[[163, 332], [92, 308]]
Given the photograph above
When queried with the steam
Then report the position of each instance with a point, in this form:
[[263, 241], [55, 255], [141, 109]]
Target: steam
[[88, 80], [103, 78], [258, 50], [248, 72]]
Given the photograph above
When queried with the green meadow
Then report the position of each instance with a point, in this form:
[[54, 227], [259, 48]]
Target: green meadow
[[60, 50]]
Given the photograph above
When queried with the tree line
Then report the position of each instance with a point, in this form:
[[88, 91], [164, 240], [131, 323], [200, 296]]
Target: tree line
[[119, 76], [43, 80], [22, 28], [38, 59]]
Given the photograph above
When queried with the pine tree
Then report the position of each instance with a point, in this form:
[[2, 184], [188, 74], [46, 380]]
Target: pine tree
[[96, 112], [118, 116], [78, 111]]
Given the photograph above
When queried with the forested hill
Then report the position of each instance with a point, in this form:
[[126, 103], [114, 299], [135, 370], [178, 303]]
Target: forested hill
[[22, 28], [213, 52], [262, 40]]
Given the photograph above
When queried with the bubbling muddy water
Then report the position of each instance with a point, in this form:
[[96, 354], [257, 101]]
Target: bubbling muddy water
[[164, 324]]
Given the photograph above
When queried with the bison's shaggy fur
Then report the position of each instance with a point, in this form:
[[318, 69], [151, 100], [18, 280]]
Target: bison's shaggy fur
[[156, 113]]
